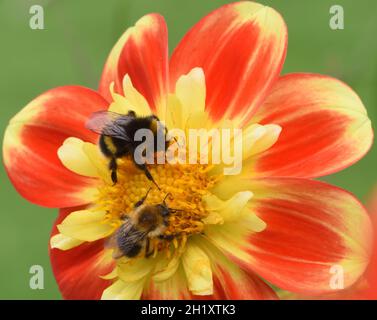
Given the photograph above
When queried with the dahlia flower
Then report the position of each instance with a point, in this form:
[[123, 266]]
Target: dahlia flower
[[271, 223]]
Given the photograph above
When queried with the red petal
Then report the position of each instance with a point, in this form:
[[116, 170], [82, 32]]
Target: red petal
[[78, 270], [311, 227], [32, 140], [241, 48], [325, 127], [142, 53]]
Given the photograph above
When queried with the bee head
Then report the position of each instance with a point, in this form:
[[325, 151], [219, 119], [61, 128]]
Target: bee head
[[149, 218], [163, 209]]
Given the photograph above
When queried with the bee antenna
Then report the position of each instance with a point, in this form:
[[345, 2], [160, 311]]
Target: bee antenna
[[140, 202], [168, 194], [176, 210]]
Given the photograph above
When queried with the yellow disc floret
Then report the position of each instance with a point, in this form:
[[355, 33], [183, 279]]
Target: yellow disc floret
[[183, 184]]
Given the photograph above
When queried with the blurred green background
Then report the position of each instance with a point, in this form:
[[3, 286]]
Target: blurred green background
[[72, 49]]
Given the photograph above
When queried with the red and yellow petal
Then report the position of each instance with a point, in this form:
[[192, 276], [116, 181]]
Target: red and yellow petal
[[325, 127], [241, 48], [32, 140], [311, 227], [78, 271], [174, 288], [231, 282], [142, 53], [368, 288]]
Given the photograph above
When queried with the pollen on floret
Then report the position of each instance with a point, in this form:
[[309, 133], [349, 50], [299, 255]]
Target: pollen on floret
[[183, 186]]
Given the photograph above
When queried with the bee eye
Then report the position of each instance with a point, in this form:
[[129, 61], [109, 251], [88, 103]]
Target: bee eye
[[165, 211]]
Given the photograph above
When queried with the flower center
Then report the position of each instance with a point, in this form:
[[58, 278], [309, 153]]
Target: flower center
[[183, 184]]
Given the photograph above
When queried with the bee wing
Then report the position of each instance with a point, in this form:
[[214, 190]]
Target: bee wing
[[129, 234], [125, 239], [110, 124], [112, 242]]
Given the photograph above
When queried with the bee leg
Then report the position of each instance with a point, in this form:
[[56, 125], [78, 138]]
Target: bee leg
[[167, 237], [166, 222], [114, 177], [113, 167], [141, 201], [148, 252], [147, 173], [131, 113]]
